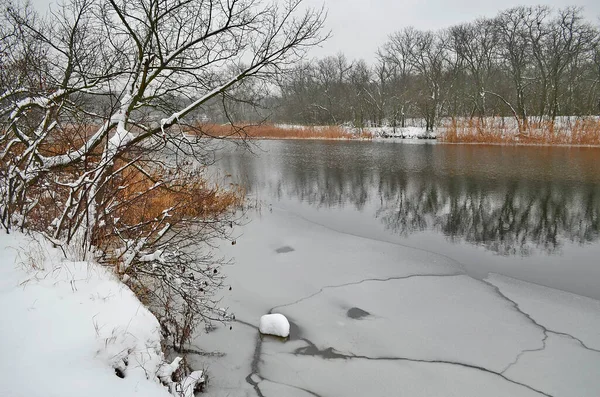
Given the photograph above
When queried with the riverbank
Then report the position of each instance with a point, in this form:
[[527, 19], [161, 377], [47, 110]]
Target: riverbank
[[566, 131], [279, 131], [70, 329], [68, 326], [583, 132]]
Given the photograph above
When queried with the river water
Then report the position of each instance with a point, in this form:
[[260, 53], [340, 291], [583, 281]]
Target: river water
[[411, 269], [532, 213]]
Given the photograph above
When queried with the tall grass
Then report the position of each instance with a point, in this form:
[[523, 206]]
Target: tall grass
[[583, 131], [272, 131], [186, 195], [138, 202]]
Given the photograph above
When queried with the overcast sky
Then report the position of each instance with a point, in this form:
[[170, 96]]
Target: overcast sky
[[359, 27]]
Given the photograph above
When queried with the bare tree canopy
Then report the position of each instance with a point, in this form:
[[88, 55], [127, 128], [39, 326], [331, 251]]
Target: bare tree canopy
[[99, 149], [133, 56]]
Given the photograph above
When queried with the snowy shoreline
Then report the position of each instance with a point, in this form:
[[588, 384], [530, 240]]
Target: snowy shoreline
[[73, 329], [426, 140]]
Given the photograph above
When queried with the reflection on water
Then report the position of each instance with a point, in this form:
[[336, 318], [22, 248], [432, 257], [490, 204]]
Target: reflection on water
[[508, 218], [510, 200]]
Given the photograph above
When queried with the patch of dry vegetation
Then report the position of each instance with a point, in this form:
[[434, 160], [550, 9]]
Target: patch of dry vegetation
[[156, 224], [584, 131], [184, 195], [139, 198], [135, 202], [271, 131]]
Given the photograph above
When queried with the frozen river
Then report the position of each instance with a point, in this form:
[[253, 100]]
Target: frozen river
[[413, 270]]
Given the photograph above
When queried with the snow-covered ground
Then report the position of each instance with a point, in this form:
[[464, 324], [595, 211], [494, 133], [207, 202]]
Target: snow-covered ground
[[415, 127], [374, 318], [68, 328], [416, 131], [401, 132]]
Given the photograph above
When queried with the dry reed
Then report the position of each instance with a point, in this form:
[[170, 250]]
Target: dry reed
[[271, 131], [187, 195], [583, 131]]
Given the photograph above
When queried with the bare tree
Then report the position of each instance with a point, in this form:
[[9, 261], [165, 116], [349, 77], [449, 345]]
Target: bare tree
[[94, 138], [596, 77], [428, 57], [361, 100], [397, 52], [331, 74], [475, 45], [515, 50], [571, 41]]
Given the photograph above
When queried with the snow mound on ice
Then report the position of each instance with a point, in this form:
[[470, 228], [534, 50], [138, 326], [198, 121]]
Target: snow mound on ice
[[274, 324]]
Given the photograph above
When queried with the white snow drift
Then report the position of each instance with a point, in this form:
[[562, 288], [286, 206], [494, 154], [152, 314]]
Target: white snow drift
[[72, 329]]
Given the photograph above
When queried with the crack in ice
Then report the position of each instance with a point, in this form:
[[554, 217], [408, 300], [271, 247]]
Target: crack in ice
[[425, 361], [523, 352], [545, 330], [254, 370], [312, 393], [363, 281]]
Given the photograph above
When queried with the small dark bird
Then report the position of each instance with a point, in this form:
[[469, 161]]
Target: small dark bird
[[230, 327], [230, 288], [233, 242]]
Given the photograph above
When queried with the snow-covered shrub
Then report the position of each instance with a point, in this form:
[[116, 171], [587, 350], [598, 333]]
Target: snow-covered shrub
[[157, 232]]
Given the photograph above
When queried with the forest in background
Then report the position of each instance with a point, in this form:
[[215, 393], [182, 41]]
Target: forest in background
[[530, 65]]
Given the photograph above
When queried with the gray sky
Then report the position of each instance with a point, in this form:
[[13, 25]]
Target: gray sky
[[359, 27]]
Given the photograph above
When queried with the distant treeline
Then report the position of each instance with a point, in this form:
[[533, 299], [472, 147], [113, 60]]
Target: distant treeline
[[530, 63]]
